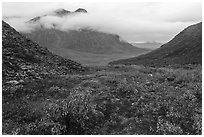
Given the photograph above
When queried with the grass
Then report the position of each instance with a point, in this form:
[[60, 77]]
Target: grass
[[93, 59], [107, 100]]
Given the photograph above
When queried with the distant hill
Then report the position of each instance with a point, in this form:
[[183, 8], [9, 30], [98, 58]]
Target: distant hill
[[147, 45], [184, 48], [24, 59], [90, 43]]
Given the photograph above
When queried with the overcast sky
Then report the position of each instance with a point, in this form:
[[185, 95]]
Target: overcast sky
[[133, 21]]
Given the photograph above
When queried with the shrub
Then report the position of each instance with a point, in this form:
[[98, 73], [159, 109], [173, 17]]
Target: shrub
[[165, 127], [80, 111]]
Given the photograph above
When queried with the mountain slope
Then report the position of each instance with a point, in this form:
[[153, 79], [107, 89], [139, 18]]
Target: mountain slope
[[82, 40], [85, 40], [23, 58], [184, 48], [86, 46]]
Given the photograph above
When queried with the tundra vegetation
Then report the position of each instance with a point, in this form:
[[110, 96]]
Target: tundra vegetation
[[106, 100]]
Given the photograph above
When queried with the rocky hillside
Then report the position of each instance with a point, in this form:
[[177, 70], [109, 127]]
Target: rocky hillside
[[184, 48], [24, 59]]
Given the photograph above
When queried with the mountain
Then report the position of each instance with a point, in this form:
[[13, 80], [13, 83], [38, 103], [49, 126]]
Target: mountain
[[86, 40], [80, 10], [147, 45], [184, 48], [85, 45], [59, 13], [24, 59]]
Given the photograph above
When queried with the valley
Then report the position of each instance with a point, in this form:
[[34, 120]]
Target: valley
[[86, 46], [93, 59], [88, 82], [151, 45]]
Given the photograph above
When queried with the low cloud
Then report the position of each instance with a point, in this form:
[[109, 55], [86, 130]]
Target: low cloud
[[20, 24], [132, 23]]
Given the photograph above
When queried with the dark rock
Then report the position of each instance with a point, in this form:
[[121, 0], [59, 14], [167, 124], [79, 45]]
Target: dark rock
[[61, 12], [81, 10], [170, 79]]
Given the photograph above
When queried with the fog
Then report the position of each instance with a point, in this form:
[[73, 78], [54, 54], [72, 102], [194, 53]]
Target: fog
[[133, 21]]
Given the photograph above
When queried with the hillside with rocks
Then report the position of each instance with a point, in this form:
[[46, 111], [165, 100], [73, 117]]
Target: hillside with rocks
[[24, 59], [185, 48]]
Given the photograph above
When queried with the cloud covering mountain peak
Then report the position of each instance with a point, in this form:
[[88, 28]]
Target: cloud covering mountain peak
[[133, 21]]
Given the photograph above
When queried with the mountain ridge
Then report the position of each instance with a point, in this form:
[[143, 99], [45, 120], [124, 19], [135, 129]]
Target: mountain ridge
[[59, 13]]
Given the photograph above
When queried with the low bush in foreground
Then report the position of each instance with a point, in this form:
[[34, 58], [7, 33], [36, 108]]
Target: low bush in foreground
[[121, 100]]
